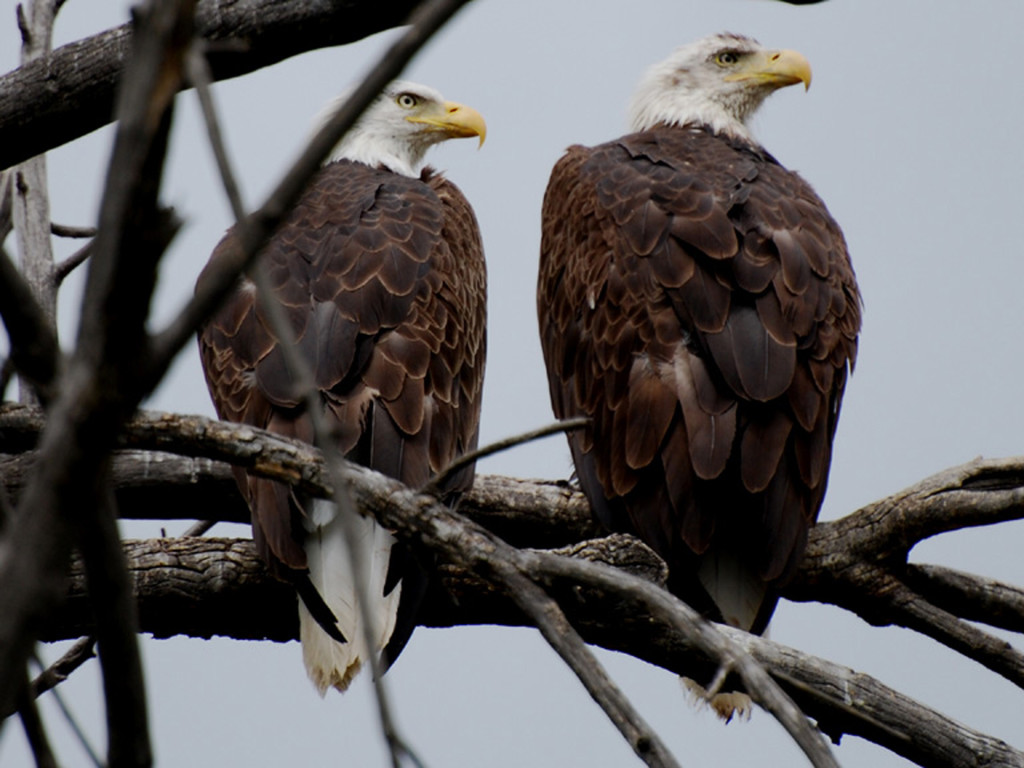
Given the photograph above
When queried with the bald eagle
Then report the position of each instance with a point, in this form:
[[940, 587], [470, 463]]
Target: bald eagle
[[380, 270], [697, 302]]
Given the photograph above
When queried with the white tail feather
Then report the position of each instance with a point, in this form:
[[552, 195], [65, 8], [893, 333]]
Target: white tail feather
[[737, 589], [328, 662]]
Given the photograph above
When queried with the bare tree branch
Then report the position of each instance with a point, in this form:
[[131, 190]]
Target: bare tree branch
[[66, 267], [31, 204], [203, 587], [72, 722], [35, 733], [542, 510], [61, 669], [565, 425], [869, 574], [970, 597], [6, 204], [658, 604], [314, 482], [545, 614], [63, 230]]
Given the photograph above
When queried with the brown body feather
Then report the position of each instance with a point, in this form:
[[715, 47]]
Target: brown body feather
[[383, 280], [696, 300]]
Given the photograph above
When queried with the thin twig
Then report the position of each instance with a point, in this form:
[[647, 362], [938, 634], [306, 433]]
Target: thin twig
[[200, 528], [61, 669], [83, 740], [664, 607], [565, 425], [35, 731], [199, 74], [305, 386], [547, 616], [63, 230], [68, 265], [347, 511], [6, 203], [23, 28]]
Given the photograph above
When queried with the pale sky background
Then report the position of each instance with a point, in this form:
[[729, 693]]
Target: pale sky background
[[911, 133]]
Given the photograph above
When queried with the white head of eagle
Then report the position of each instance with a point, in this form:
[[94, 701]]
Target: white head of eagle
[[401, 124], [717, 82]]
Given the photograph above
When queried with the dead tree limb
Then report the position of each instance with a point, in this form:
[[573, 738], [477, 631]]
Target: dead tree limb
[[541, 514], [204, 587]]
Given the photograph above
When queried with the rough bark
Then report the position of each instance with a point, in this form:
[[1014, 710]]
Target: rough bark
[[31, 209], [203, 587]]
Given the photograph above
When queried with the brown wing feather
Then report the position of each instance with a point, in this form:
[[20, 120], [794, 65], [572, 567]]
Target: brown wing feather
[[696, 301], [384, 284]]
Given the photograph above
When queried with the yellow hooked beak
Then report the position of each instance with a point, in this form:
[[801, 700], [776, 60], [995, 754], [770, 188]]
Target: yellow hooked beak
[[455, 121], [774, 68]]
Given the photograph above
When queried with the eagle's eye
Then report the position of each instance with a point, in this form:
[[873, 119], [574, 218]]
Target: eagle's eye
[[407, 100], [727, 58]]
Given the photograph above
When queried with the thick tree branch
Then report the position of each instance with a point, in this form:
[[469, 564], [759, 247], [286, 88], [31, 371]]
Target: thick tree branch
[[542, 514], [202, 587], [442, 532], [860, 561], [970, 597], [902, 606], [31, 195], [71, 92], [30, 216]]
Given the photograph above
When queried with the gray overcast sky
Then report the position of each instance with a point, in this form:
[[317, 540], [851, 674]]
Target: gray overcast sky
[[911, 134]]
